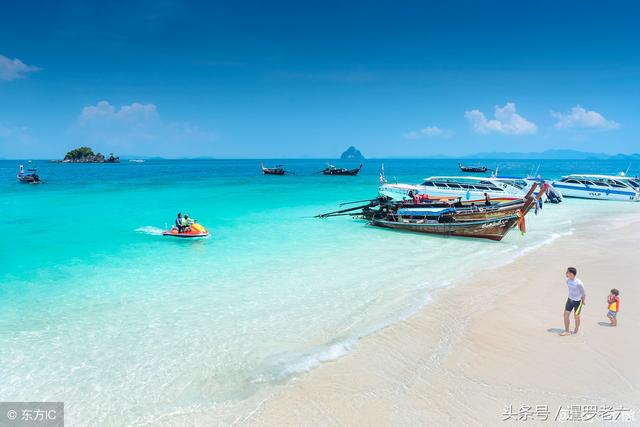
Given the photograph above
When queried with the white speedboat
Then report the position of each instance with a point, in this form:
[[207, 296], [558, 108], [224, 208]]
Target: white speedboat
[[467, 189], [603, 187], [551, 194]]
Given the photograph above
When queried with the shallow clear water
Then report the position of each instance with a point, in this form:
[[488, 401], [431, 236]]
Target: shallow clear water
[[126, 326]]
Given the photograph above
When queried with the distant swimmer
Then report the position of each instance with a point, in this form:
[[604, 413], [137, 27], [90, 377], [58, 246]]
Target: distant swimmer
[[575, 301]]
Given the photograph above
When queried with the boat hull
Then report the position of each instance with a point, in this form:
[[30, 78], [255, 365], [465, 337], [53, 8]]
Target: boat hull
[[492, 229], [195, 231], [185, 235], [272, 172], [29, 179], [349, 172], [590, 192]]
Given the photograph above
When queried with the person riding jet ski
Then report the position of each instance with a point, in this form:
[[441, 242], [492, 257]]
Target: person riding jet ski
[[188, 222], [180, 223]]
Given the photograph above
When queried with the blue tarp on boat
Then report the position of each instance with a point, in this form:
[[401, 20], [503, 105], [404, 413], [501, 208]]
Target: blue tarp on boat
[[425, 211]]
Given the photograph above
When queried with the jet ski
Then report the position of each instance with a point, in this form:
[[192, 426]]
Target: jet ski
[[194, 230]]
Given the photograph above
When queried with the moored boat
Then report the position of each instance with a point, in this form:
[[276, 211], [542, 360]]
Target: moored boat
[[447, 216], [551, 194], [600, 187], [492, 228], [477, 169], [277, 170], [333, 170], [29, 176], [491, 222]]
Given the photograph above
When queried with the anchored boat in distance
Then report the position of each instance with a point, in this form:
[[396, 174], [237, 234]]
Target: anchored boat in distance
[[30, 176], [277, 170], [477, 169], [333, 170]]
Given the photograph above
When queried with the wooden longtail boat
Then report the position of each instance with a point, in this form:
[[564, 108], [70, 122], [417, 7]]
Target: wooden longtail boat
[[491, 224], [30, 176], [494, 228], [478, 169], [277, 170], [333, 170]]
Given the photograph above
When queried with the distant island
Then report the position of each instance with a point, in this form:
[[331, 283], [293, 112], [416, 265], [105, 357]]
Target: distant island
[[86, 155], [557, 154], [352, 154]]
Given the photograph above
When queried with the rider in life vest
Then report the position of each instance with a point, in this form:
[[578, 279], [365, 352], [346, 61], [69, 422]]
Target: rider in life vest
[[613, 304]]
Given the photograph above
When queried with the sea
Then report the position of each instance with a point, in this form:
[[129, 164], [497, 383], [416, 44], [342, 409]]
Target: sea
[[127, 327]]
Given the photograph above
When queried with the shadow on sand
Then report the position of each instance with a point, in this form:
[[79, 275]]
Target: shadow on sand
[[555, 330], [607, 324]]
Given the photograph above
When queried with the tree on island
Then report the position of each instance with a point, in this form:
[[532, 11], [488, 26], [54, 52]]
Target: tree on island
[[86, 155], [80, 153]]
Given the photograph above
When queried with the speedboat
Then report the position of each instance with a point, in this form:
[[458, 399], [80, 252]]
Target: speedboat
[[602, 187], [30, 176], [194, 230], [467, 189], [551, 194]]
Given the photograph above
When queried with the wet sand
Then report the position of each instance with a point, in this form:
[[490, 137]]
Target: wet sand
[[490, 342]]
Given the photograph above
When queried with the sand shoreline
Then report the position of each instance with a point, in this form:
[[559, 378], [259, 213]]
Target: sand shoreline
[[488, 343]]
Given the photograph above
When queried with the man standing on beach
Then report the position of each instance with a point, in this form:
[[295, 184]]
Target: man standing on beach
[[575, 301]]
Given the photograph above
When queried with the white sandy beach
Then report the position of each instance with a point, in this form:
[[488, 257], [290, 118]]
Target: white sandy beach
[[488, 343]]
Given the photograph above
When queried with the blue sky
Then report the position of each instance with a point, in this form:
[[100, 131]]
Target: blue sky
[[308, 79]]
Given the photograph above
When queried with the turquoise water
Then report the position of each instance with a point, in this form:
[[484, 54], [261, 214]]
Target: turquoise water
[[128, 327]]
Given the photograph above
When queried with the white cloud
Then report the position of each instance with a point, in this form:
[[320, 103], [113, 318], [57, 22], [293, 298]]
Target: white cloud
[[428, 132], [579, 117], [134, 113], [17, 141], [11, 69], [506, 121], [135, 126]]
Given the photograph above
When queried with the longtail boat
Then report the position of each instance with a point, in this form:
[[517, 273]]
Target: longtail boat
[[277, 170], [30, 176], [494, 228], [333, 170], [445, 217], [491, 224], [480, 169]]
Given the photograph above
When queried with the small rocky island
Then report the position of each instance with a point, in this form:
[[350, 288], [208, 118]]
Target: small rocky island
[[86, 155], [352, 154]]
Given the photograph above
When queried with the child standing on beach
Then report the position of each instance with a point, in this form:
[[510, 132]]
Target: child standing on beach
[[613, 303]]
